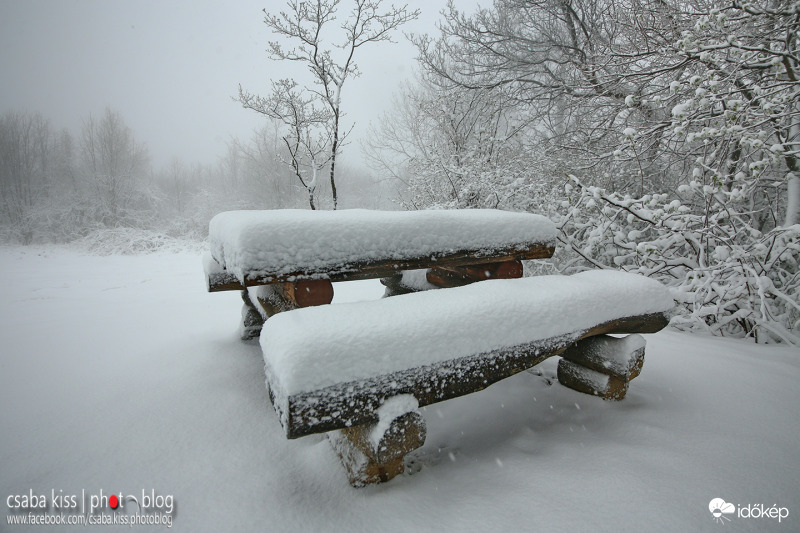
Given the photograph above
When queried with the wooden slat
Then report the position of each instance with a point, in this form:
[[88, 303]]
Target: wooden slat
[[355, 403], [223, 281]]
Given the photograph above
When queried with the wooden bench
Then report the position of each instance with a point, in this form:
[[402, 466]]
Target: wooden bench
[[360, 372]]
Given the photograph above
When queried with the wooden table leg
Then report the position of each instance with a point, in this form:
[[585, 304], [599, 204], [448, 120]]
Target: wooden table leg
[[252, 321]]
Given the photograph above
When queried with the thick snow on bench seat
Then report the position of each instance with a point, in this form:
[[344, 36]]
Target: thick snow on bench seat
[[309, 350], [287, 241]]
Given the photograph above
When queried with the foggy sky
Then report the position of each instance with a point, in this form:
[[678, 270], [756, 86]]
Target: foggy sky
[[171, 68]]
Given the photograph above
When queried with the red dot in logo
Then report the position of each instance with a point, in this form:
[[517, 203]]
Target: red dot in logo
[[113, 501]]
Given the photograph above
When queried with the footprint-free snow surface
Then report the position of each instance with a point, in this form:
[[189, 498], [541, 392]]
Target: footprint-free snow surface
[[122, 374]]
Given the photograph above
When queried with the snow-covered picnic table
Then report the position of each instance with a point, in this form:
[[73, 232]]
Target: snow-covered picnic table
[[360, 371]]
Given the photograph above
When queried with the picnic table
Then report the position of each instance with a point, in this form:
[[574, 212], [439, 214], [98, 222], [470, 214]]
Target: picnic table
[[360, 372]]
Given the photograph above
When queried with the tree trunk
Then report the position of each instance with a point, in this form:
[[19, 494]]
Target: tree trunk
[[334, 148], [311, 199], [792, 202]]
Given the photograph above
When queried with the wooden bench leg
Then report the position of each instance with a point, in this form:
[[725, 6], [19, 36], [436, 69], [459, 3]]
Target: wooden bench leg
[[602, 365], [446, 277], [252, 321], [375, 453]]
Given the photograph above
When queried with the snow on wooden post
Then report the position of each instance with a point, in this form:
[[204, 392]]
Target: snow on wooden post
[[395, 286], [272, 300], [375, 453]]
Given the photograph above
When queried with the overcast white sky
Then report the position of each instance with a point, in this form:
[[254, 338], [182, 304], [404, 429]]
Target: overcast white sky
[[170, 67]]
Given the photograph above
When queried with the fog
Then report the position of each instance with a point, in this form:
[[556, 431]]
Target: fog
[[171, 68]]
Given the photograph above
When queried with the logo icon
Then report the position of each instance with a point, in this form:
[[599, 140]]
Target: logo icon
[[719, 508]]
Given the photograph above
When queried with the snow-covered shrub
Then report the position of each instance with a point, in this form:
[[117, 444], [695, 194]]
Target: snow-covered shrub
[[722, 230], [728, 277]]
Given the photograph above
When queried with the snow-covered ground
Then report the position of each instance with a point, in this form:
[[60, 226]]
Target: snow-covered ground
[[122, 374]]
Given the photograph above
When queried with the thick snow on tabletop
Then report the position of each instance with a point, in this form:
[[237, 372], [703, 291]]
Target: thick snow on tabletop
[[312, 348], [287, 240]]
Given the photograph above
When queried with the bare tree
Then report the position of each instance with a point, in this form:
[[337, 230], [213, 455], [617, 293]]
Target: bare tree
[[581, 67], [113, 161], [304, 23], [308, 130], [177, 183], [26, 146], [456, 147]]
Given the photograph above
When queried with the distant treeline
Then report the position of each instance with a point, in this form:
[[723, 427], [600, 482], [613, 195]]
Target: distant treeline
[[61, 186]]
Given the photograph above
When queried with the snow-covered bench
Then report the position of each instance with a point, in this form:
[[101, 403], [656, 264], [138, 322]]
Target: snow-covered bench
[[288, 258], [360, 371]]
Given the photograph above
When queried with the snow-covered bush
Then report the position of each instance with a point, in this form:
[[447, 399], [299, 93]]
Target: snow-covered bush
[[727, 276], [127, 241], [728, 238]]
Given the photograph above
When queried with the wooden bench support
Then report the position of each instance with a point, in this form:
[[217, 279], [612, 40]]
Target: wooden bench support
[[278, 298], [457, 276], [587, 381], [307, 293], [252, 321], [375, 453], [619, 356], [442, 277], [219, 279], [602, 365], [272, 300]]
